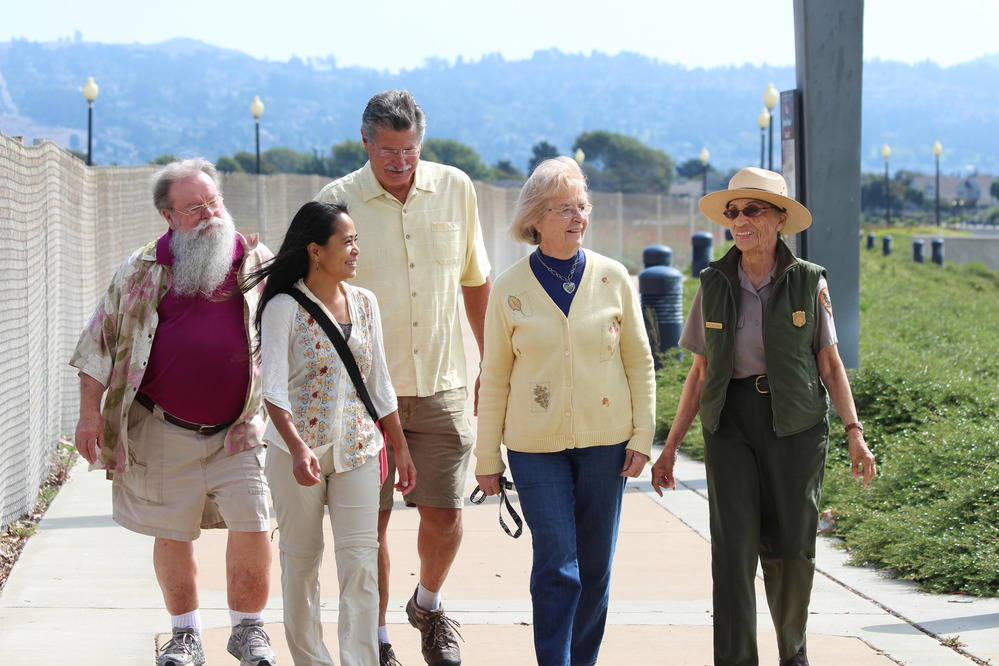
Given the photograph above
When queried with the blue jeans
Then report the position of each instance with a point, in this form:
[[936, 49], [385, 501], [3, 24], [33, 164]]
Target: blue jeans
[[572, 502]]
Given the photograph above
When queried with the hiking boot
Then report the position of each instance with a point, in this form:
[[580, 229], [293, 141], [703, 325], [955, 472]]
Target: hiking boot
[[183, 649], [250, 644], [437, 630], [386, 655]]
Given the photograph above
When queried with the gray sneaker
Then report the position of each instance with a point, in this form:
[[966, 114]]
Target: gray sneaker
[[183, 649], [251, 645]]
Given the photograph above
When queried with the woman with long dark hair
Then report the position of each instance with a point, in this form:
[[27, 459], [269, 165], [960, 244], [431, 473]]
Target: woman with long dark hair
[[324, 446]]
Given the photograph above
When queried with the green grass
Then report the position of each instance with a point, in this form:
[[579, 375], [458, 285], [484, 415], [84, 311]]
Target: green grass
[[928, 393]]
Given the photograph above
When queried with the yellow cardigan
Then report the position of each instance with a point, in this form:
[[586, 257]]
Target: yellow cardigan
[[551, 382]]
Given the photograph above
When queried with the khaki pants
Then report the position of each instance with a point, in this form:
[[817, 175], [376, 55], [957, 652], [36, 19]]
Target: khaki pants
[[352, 500]]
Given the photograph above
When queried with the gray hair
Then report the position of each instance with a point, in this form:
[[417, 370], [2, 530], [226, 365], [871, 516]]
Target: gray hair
[[395, 110], [550, 178], [179, 170]]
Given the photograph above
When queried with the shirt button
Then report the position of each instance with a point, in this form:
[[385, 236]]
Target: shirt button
[[408, 236], [416, 351], [566, 352], [414, 324], [568, 414], [414, 294], [412, 265]]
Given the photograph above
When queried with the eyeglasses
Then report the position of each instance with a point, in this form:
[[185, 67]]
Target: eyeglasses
[[405, 152], [569, 212], [751, 210], [211, 204]]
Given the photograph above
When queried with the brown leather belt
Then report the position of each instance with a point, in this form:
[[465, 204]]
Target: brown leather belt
[[206, 430], [758, 382]]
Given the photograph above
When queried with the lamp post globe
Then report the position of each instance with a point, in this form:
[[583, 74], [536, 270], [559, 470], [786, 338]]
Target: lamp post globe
[[257, 110], [763, 120], [90, 91], [886, 153], [704, 157], [770, 98], [937, 149]]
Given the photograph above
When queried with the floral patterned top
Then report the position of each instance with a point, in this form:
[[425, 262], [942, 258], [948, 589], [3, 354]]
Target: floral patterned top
[[114, 348], [304, 375]]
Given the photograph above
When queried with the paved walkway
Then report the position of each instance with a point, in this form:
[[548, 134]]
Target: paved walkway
[[84, 593]]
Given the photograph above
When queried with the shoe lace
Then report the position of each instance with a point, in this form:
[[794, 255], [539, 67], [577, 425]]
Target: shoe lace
[[254, 637], [386, 656], [183, 642], [442, 630]]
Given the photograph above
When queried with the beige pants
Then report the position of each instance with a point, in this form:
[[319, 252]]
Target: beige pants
[[352, 500]]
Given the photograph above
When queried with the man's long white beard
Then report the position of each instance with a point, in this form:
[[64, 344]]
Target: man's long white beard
[[202, 257]]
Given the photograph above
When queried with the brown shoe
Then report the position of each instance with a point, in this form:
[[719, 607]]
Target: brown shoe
[[437, 631], [386, 655]]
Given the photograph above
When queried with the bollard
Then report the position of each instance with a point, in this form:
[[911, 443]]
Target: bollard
[[728, 234], [886, 245], [870, 241], [700, 257], [938, 251], [661, 290], [917, 250], [657, 255]]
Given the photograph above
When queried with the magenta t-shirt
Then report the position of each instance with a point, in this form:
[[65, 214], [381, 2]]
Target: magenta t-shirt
[[199, 368]]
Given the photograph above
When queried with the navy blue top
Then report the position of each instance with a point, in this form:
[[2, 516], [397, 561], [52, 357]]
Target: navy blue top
[[551, 283]]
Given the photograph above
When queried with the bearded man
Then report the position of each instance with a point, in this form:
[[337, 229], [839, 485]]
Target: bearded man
[[180, 431]]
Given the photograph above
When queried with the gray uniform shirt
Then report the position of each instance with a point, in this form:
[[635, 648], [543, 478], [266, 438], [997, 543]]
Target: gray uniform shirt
[[749, 356]]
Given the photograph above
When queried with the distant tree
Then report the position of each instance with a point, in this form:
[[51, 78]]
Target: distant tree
[[691, 168], [540, 152], [164, 159], [228, 165], [249, 162], [994, 191], [78, 155], [505, 170], [619, 163], [456, 154], [346, 157], [285, 160]]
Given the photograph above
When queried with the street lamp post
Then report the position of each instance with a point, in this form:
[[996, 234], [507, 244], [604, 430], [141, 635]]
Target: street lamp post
[[770, 98], [886, 153], [90, 90], [937, 149], [763, 120], [704, 157], [257, 109]]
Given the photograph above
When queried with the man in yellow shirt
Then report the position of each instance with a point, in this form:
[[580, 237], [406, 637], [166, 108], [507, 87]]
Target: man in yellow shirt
[[418, 229]]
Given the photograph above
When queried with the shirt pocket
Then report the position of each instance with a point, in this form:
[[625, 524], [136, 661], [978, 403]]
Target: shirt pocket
[[447, 242], [611, 339]]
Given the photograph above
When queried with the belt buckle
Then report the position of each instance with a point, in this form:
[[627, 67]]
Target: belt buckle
[[206, 430], [756, 384]]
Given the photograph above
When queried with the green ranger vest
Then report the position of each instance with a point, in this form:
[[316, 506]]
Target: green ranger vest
[[798, 398]]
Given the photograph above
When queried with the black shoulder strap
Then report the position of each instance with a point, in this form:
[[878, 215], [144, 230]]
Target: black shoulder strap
[[336, 338]]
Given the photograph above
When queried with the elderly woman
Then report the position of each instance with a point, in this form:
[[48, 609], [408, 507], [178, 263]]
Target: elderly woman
[[761, 330], [323, 446], [568, 387]]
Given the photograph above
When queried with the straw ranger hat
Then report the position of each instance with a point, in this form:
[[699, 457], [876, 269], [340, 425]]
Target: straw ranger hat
[[760, 184]]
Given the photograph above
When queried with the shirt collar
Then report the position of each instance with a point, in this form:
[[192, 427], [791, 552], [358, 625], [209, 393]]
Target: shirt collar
[[371, 188], [747, 284], [164, 253]]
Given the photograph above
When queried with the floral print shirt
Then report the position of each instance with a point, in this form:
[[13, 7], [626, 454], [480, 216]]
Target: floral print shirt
[[115, 345]]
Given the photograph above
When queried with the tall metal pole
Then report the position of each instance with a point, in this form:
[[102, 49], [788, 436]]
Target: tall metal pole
[[257, 124], [770, 159], [763, 137], [937, 188], [90, 133], [887, 196], [704, 180]]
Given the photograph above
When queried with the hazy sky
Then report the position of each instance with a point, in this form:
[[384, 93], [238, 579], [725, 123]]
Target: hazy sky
[[396, 35]]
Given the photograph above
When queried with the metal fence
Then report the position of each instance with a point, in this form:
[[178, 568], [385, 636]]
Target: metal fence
[[65, 227]]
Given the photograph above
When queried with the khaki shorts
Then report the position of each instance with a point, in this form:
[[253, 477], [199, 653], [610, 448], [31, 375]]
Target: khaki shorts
[[179, 482], [440, 443]]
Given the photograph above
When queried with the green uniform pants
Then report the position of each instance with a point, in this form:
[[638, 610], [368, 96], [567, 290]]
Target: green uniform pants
[[763, 495]]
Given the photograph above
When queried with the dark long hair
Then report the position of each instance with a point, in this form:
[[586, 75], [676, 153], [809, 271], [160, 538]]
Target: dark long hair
[[315, 222]]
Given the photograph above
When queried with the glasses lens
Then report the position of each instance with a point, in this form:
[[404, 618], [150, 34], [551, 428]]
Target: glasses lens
[[752, 210], [731, 213]]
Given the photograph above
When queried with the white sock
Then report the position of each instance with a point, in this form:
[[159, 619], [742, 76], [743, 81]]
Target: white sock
[[190, 620], [426, 599], [383, 634], [235, 617]]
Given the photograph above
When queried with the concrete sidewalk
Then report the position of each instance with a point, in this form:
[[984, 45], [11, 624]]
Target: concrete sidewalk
[[84, 592]]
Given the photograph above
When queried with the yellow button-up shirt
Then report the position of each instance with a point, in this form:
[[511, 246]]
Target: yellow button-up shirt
[[414, 257]]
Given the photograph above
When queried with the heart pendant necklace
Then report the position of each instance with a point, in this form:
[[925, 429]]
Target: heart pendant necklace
[[567, 284]]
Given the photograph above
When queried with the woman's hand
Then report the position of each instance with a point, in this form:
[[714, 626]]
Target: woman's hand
[[861, 457], [634, 462], [407, 471], [662, 471], [305, 466], [488, 483]]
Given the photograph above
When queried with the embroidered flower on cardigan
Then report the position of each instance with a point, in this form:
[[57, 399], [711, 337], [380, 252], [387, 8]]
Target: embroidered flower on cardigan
[[605, 401], [605, 279]]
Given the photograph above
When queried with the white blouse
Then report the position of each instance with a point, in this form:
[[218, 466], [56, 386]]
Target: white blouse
[[304, 375]]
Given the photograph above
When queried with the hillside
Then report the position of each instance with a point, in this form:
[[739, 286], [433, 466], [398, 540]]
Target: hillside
[[187, 97]]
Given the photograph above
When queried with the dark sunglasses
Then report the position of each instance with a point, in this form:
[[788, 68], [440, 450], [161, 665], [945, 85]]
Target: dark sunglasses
[[752, 210]]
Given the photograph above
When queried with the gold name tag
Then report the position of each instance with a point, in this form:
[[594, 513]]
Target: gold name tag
[[798, 318], [713, 324]]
